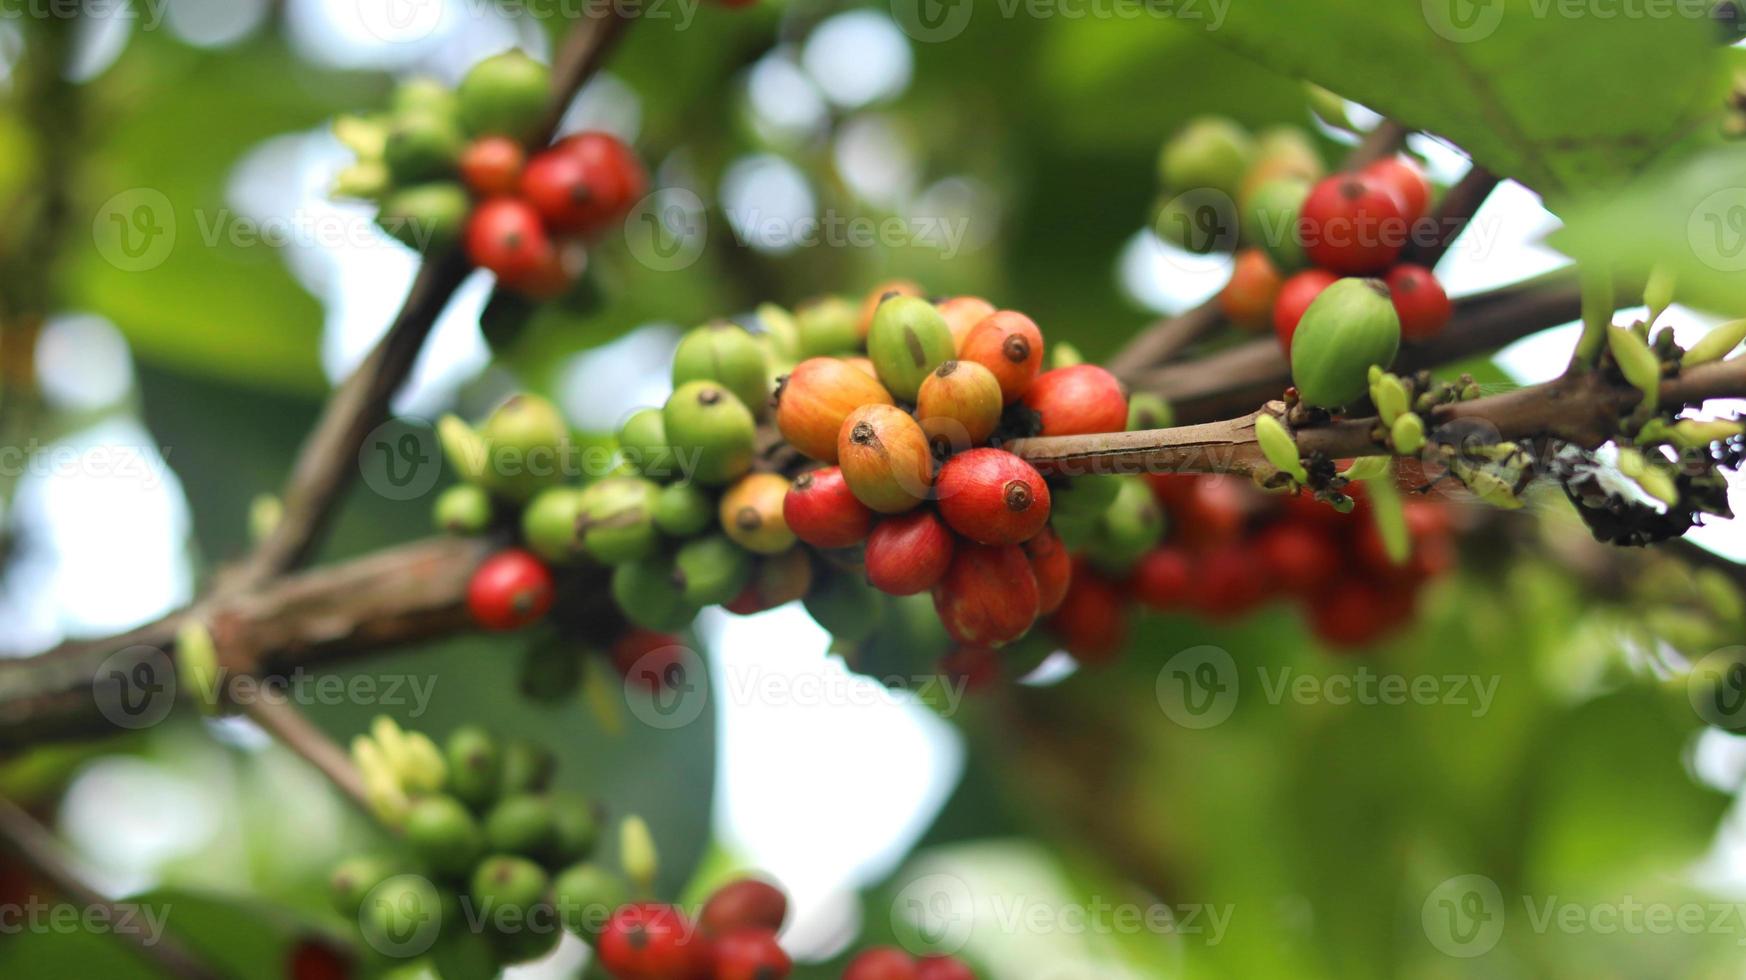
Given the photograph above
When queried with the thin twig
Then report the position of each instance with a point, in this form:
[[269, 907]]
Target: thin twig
[[1379, 144], [1453, 214]]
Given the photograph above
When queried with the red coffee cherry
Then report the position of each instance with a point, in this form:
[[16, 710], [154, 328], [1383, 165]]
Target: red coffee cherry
[[1092, 622], [313, 959], [1229, 582], [1419, 299], [750, 954], [651, 660], [1299, 557], [1249, 298], [942, 968], [1352, 613], [748, 903], [822, 511], [491, 166], [1078, 401], [1052, 566], [509, 590], [881, 963], [908, 553], [993, 497], [1353, 225], [1295, 296], [1403, 176], [584, 183], [1010, 345], [650, 941], [505, 235], [1163, 579], [988, 596]]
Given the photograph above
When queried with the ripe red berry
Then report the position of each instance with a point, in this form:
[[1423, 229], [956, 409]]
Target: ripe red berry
[[1211, 512], [1092, 622], [1353, 225], [993, 497], [509, 590], [1294, 298], [1163, 578], [988, 596], [1248, 299], [1010, 345], [881, 963], [1080, 400], [1402, 176], [976, 668], [650, 941], [1350, 613], [313, 959], [908, 553], [655, 661], [748, 903], [942, 968], [822, 511], [491, 166], [505, 235], [1419, 299], [749, 954], [559, 269], [1229, 582], [584, 182], [1300, 557], [1052, 566]]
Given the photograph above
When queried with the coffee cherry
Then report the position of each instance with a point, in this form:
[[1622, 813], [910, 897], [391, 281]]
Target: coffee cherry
[[509, 590], [1402, 176], [649, 941], [585, 896], [826, 327], [751, 514], [1208, 152], [615, 519], [1272, 219], [651, 660], [1010, 345], [993, 497], [1349, 614], [778, 580], [908, 340], [462, 509], [847, 607], [505, 95], [504, 882], [491, 166], [1092, 622], [1149, 411], [750, 954], [962, 314], [1282, 151], [942, 968], [443, 834], [648, 595], [475, 762], [712, 570], [813, 401], [556, 273], [908, 553], [505, 235], [1248, 299], [575, 828], [422, 146], [1163, 578], [1053, 568], [312, 959], [822, 511], [881, 963], [746, 903], [1353, 225], [519, 824], [1351, 326], [1299, 557], [875, 296], [401, 906], [549, 524], [885, 458], [863, 365], [353, 879], [1295, 296], [526, 442], [642, 442], [724, 352], [425, 216], [1078, 401], [988, 596], [959, 405], [1131, 526], [1077, 506], [1229, 582], [1420, 301], [712, 433], [584, 183], [682, 510], [525, 766]]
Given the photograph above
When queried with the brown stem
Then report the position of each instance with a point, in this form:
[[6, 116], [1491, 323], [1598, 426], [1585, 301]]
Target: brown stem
[[1453, 214], [1379, 144]]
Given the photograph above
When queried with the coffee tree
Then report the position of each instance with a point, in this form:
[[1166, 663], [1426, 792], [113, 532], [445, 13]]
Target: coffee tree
[[1287, 634]]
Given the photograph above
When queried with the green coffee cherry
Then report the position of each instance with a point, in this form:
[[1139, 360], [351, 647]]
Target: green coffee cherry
[[549, 524], [1132, 526], [1211, 151], [462, 509], [642, 439], [781, 332], [827, 327], [519, 942], [586, 896], [682, 510], [422, 146], [504, 881], [464, 448], [526, 441], [575, 828], [648, 595], [846, 606], [426, 216], [1199, 222], [1077, 506], [441, 832], [525, 767], [1350, 326], [423, 95], [1064, 355], [402, 907], [723, 352], [354, 878], [475, 762], [1270, 216], [713, 433], [505, 95], [520, 824], [908, 340], [712, 570], [1149, 411], [616, 520]]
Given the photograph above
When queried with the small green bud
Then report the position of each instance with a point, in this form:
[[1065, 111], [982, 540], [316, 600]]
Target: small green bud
[[426, 771], [1391, 397], [1658, 293], [1637, 363], [367, 138], [1407, 435], [636, 850], [1279, 447], [1715, 345], [197, 664], [1369, 467]]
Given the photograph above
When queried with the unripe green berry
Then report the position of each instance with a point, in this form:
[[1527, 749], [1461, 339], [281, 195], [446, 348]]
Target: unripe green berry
[[575, 828], [1270, 218], [1132, 526], [781, 336], [442, 833], [525, 767], [520, 824], [352, 880], [401, 908], [462, 509], [1350, 326], [712, 570], [908, 340], [526, 440], [505, 95], [616, 522], [549, 524], [1076, 508], [643, 442], [1149, 411], [422, 146], [827, 327], [1211, 151], [713, 433], [682, 510], [723, 352], [648, 594], [424, 95], [475, 762], [424, 216], [507, 882], [586, 895]]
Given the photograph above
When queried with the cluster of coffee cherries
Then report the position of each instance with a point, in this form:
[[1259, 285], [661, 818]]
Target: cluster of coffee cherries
[[1229, 549], [449, 166]]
